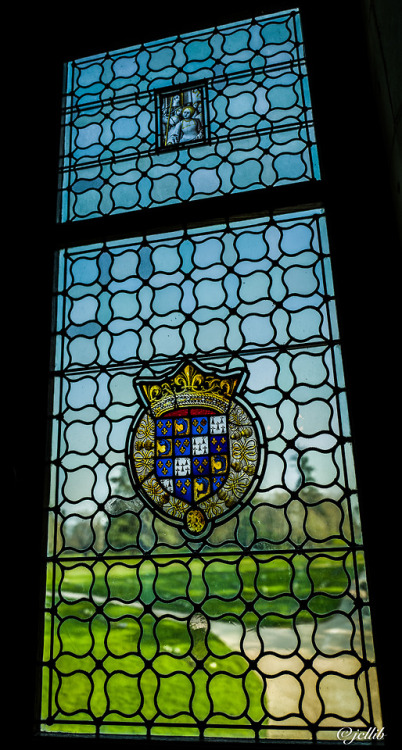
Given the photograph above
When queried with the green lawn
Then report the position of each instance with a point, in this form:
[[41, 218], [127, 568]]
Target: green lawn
[[131, 642]]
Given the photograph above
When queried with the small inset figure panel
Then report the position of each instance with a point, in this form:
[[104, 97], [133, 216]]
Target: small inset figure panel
[[181, 116]]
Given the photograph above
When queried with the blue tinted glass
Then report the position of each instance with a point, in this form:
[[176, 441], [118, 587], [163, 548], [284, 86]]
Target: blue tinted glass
[[240, 119]]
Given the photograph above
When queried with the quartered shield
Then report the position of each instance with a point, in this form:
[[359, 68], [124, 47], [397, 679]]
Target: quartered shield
[[192, 453]]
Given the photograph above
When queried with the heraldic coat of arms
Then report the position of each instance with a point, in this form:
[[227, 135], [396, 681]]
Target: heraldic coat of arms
[[194, 452]]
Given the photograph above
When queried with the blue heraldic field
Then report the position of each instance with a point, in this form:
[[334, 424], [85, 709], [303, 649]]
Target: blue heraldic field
[[192, 453]]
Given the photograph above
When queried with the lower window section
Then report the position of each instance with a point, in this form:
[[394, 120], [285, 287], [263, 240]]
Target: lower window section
[[224, 645], [257, 624]]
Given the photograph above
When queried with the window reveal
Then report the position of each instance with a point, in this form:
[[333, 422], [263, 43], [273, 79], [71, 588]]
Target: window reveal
[[206, 572]]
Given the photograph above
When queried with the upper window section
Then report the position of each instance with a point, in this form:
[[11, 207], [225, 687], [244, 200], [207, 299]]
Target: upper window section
[[193, 116]]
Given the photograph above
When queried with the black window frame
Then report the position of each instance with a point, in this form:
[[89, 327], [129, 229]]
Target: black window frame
[[354, 190]]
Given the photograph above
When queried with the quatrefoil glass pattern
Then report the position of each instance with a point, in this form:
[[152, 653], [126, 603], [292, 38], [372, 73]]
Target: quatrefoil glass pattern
[[127, 146], [259, 629]]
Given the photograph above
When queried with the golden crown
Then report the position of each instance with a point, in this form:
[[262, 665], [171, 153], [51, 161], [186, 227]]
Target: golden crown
[[189, 386]]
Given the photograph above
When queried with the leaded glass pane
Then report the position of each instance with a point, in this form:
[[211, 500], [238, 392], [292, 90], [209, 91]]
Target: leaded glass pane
[[257, 627], [182, 116], [251, 124]]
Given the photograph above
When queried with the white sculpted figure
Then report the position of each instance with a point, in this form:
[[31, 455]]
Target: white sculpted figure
[[197, 99], [189, 128], [181, 122]]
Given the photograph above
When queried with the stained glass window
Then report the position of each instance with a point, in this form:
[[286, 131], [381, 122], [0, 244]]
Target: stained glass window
[[206, 573], [182, 116], [229, 603], [248, 80]]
